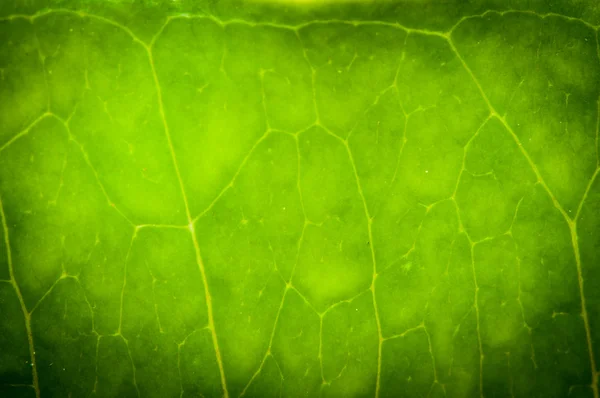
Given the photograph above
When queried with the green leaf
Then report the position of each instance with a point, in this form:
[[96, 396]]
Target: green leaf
[[285, 198]]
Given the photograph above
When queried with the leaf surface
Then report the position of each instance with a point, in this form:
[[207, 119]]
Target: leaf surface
[[283, 199]]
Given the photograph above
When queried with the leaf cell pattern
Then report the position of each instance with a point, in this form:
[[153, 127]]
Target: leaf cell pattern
[[337, 207]]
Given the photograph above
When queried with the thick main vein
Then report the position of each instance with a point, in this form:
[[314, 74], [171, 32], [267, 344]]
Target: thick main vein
[[199, 261]]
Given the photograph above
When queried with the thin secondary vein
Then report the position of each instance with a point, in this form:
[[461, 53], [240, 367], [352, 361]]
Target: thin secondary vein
[[133, 368], [534, 168], [26, 315], [476, 306], [585, 194], [25, 131], [584, 314], [268, 352], [597, 127], [235, 176], [199, 261], [572, 223], [288, 287], [87, 161], [476, 296], [50, 290], [465, 150], [323, 381], [435, 375], [525, 12], [122, 297], [42, 60], [407, 331], [295, 27], [100, 184], [288, 284], [371, 246], [158, 226]]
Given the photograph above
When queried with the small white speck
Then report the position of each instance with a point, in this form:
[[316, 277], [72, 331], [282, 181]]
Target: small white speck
[[426, 171], [191, 226]]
